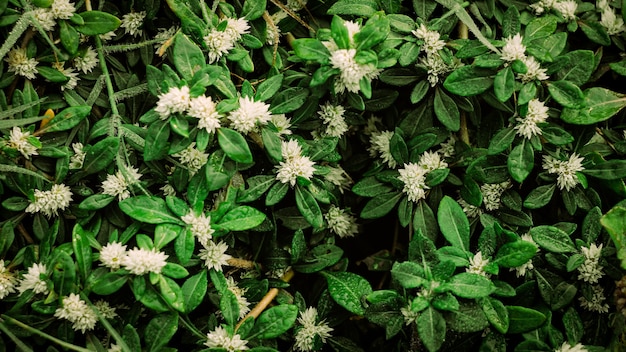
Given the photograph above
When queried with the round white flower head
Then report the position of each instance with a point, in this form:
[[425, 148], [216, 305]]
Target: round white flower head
[[34, 280], [118, 185], [87, 62], [218, 44], [68, 72], [410, 316], [533, 72], [566, 347], [379, 146], [477, 264], [200, 227], [432, 42], [436, 67], [249, 115], [414, 178], [75, 310], [244, 305], [203, 108], [45, 17], [353, 28], [597, 303], [168, 190], [311, 331], [341, 222], [62, 9], [431, 161], [112, 255], [522, 269], [176, 100], [333, 118], [447, 148], [20, 63], [351, 72], [7, 281], [565, 170], [50, 202], [142, 261], [470, 210], [282, 124], [107, 36], [614, 24], [294, 164], [542, 5], [338, 177], [528, 125], [76, 160], [235, 28], [22, 142], [492, 193], [513, 48], [214, 255], [105, 309], [192, 158], [567, 8], [132, 22], [221, 338], [591, 270]]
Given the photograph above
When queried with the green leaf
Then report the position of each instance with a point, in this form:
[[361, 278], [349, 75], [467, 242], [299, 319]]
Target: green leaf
[[502, 140], [579, 67], [614, 221], [229, 306], [194, 289], [540, 196], [257, 185], [69, 37], [63, 273], [408, 274], [171, 292], [380, 205], [566, 93], [504, 84], [514, 254], [353, 7], [511, 24], [424, 220], [573, 325], [160, 331], [97, 22], [308, 207], [431, 327], [149, 209], [268, 88], [242, 218], [234, 145], [469, 285], [446, 111], [347, 289], [131, 337], [553, 239], [311, 50], [556, 135], [370, 187], [320, 257], [188, 57], [469, 80], [398, 148], [540, 27], [595, 32], [109, 283], [156, 142], [184, 246], [608, 170], [96, 201], [276, 193], [522, 319], [82, 250], [339, 33], [100, 155], [521, 161], [375, 31], [253, 9], [274, 321], [453, 223], [272, 143], [496, 313], [600, 104]]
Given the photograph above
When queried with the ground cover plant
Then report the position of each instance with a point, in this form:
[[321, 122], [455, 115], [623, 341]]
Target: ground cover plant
[[312, 175]]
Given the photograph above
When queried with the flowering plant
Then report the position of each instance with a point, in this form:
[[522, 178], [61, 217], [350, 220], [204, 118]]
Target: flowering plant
[[312, 175]]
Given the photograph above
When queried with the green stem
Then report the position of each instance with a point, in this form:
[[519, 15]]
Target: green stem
[[118, 338], [191, 327], [61, 343], [16, 340]]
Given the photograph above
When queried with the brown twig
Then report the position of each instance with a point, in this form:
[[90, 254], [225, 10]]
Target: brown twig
[[25, 234]]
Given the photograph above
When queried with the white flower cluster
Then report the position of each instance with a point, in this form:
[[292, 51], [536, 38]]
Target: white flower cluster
[[477, 265], [244, 305], [433, 62], [341, 222], [597, 303], [492, 192], [379, 147], [221, 42], [221, 338], [565, 170], [213, 254], [176, 100], [529, 125], [22, 141], [132, 22], [70, 73], [333, 118], [87, 62], [413, 175], [50, 202], [7, 281], [192, 158], [249, 115], [77, 311], [138, 261], [309, 330], [118, 185], [204, 109], [34, 279], [59, 9], [613, 23], [591, 271], [409, 315], [514, 49], [77, 160], [338, 177], [567, 8], [294, 164], [470, 210], [21, 64], [566, 347]]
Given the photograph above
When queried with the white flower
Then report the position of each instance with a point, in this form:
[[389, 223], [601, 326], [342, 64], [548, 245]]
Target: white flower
[[76, 160], [69, 73], [492, 193], [118, 185], [7, 281], [614, 24], [333, 118], [273, 31], [353, 28], [567, 9], [107, 36], [513, 48], [218, 44], [142, 261], [410, 316], [220, 338], [192, 158], [310, 331], [168, 190], [249, 115], [431, 161], [478, 264], [200, 227], [566, 170], [591, 270], [45, 17], [34, 280], [372, 123], [294, 164], [22, 142], [596, 304], [50, 202], [87, 62], [75, 310], [244, 305], [470, 210], [235, 28], [541, 6], [338, 177], [341, 222], [533, 72], [432, 42], [112, 255], [176, 100], [20, 63], [414, 178], [296, 5], [62, 9], [203, 108], [379, 146], [214, 255], [163, 36], [282, 124], [105, 309], [447, 148], [132, 22], [115, 348], [436, 67], [522, 269], [537, 114], [351, 72], [566, 347]]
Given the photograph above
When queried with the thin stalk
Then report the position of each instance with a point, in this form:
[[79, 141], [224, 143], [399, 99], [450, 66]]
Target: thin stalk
[[16, 340], [191, 327], [59, 342], [464, 134]]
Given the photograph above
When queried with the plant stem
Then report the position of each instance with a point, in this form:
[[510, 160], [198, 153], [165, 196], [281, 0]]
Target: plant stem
[[118, 338], [61, 343], [464, 134], [191, 327], [16, 340], [242, 263]]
